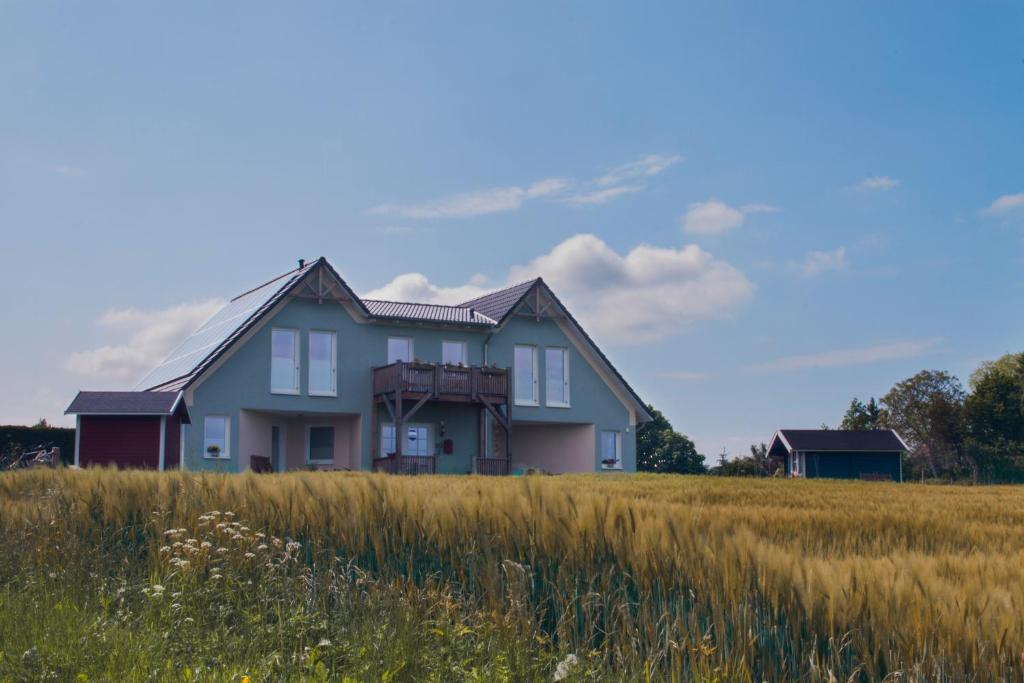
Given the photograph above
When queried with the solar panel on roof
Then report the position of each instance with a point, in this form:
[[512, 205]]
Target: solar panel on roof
[[188, 355]]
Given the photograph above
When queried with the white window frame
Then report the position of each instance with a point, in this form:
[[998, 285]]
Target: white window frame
[[296, 361], [536, 371], [465, 351], [418, 425], [567, 403], [618, 449], [333, 391], [311, 461], [226, 453], [412, 348]]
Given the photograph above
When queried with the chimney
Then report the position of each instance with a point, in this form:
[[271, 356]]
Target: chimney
[[302, 263]]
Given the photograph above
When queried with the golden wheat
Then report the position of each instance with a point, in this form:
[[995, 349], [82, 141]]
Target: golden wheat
[[759, 579]]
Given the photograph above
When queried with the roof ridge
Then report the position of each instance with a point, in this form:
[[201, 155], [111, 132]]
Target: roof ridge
[[272, 281], [413, 303], [531, 281]]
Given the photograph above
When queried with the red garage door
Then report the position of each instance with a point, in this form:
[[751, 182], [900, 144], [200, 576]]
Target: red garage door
[[122, 440]]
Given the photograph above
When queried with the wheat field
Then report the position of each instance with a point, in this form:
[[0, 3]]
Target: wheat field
[[645, 576]]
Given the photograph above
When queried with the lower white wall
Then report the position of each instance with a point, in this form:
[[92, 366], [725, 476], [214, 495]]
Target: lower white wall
[[556, 448]]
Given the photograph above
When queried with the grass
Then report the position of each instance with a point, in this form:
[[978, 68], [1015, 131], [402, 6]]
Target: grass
[[466, 578]]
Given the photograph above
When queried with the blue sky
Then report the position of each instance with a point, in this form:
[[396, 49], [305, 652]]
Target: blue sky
[[759, 210]]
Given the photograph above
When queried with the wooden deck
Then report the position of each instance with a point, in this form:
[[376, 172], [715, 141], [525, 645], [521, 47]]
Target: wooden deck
[[397, 385], [442, 382]]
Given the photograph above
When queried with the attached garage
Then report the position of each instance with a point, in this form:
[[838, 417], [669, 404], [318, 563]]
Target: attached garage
[[128, 429], [555, 448]]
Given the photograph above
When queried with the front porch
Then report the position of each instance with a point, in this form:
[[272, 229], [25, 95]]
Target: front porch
[[403, 446]]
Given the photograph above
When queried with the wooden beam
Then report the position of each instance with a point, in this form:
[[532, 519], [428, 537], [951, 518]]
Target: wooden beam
[[494, 412], [416, 406]]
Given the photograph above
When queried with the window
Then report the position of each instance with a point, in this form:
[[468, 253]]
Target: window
[[319, 444], [215, 437], [399, 349], [611, 457], [417, 440], [454, 353], [284, 361], [556, 377], [323, 369], [526, 375]]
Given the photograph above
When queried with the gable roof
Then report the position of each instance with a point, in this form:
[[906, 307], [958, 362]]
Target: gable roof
[[499, 304], [401, 310], [214, 337], [886, 440], [127, 403]]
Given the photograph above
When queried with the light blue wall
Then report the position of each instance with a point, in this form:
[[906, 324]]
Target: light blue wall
[[590, 398], [242, 382]]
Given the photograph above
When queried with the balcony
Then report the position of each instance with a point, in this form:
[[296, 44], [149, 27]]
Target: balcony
[[441, 382]]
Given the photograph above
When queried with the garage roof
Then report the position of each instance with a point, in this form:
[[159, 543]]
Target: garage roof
[[126, 403]]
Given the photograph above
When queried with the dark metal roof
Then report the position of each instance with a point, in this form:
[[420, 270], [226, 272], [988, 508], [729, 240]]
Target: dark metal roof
[[498, 304], [400, 310], [842, 440], [124, 403]]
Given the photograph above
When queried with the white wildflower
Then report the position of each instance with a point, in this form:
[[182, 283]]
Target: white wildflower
[[565, 666], [324, 642]]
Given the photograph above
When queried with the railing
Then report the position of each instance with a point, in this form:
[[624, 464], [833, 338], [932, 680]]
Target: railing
[[406, 464], [442, 380], [492, 466]]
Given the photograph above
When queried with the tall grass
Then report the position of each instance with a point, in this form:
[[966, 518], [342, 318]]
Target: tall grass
[[670, 577]]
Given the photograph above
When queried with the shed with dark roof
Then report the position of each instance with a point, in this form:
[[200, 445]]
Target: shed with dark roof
[[137, 429], [875, 455]]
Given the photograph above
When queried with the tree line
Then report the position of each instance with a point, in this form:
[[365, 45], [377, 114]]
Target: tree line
[[953, 433]]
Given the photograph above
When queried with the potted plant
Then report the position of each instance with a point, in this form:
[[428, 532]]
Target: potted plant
[[213, 450], [609, 462]]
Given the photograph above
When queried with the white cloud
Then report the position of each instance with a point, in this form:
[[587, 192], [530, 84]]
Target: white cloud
[[818, 262], [711, 218], [1005, 204], [601, 196], [878, 182], [467, 205], [154, 334], [415, 287], [642, 296], [844, 357], [715, 217], [644, 167], [685, 375], [511, 198]]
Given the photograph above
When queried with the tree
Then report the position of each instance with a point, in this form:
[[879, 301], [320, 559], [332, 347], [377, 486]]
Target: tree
[[994, 418], [659, 448], [927, 411], [861, 417]]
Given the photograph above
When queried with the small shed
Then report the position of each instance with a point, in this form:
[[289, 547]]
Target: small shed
[[875, 455], [128, 429]]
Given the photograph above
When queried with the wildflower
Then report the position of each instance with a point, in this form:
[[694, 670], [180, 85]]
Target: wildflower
[[249, 556], [565, 666], [324, 642], [205, 545], [222, 550], [229, 514], [165, 549], [262, 546], [214, 577]]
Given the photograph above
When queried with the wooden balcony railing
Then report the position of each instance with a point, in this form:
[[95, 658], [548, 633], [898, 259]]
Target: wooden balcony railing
[[452, 382], [406, 464], [492, 466]]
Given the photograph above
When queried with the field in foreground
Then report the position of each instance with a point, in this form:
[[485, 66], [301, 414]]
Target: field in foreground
[[314, 576]]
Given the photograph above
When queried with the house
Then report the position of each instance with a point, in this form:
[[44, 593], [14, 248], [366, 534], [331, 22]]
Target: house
[[301, 373], [840, 454]]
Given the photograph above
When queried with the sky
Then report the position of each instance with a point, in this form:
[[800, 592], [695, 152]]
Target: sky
[[759, 210]]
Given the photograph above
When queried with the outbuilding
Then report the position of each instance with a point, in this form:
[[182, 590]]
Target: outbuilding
[[128, 429], [875, 455]]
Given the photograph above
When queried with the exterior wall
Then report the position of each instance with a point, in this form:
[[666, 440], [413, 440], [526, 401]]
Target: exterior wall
[[849, 465], [124, 441], [591, 401], [172, 443], [556, 448], [239, 388]]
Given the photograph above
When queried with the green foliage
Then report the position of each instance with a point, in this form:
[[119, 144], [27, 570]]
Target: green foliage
[[994, 418], [861, 417], [757, 464], [927, 411], [659, 448]]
